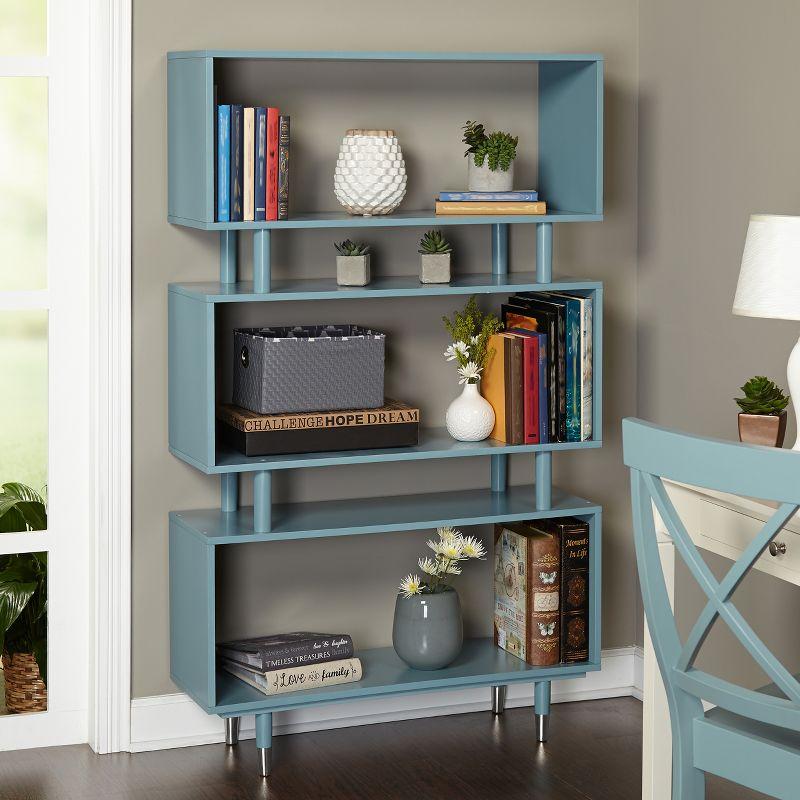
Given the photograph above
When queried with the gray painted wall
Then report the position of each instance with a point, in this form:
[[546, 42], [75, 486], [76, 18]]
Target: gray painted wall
[[346, 583], [718, 134]]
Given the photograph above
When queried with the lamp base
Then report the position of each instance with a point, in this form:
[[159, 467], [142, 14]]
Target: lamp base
[[793, 378]]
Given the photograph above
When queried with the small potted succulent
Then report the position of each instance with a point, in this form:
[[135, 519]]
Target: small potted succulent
[[352, 263], [435, 256], [491, 158], [763, 416], [428, 630]]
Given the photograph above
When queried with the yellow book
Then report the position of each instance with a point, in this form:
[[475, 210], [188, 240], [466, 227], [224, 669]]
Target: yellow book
[[249, 165], [497, 208], [493, 385]]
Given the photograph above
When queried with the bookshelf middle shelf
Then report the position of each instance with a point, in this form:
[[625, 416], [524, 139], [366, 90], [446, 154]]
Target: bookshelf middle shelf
[[350, 517]]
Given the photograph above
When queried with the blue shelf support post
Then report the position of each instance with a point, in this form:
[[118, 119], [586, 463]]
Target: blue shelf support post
[[544, 480], [229, 491], [499, 472], [541, 708], [262, 501], [544, 252], [261, 261], [264, 742], [500, 249], [227, 257]]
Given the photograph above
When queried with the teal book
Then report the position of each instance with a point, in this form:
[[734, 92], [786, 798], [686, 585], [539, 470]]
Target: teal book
[[573, 362]]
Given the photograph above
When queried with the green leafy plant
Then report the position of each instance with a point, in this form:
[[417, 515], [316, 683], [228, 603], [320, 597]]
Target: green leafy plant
[[499, 149], [23, 578], [434, 243], [349, 248], [470, 330], [762, 396]]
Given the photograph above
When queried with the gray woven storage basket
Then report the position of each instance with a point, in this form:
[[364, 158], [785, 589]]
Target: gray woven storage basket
[[308, 368]]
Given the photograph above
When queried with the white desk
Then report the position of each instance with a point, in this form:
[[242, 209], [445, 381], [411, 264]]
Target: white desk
[[723, 524]]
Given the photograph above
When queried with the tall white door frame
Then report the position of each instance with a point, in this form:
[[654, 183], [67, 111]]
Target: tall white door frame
[[110, 682]]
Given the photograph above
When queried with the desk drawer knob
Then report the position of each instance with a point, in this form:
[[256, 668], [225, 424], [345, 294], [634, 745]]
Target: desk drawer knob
[[777, 547]]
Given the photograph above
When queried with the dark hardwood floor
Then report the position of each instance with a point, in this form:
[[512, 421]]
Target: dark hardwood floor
[[593, 752]]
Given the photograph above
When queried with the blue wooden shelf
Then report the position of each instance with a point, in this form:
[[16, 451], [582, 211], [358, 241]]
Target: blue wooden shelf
[[366, 55], [378, 515], [380, 286], [433, 443], [481, 663], [398, 219]]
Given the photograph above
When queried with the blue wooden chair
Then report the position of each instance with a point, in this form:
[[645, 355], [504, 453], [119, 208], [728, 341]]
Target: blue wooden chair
[[749, 737]]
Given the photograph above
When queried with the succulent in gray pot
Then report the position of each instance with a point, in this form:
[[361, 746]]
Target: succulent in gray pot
[[428, 631], [435, 253], [491, 158], [352, 263], [762, 419]]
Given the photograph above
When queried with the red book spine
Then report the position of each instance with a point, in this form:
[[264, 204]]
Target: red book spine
[[273, 117], [530, 392]]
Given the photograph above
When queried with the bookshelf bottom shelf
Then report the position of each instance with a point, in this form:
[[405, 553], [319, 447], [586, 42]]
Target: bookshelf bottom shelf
[[481, 663]]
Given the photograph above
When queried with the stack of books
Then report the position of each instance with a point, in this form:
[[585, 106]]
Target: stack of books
[[251, 164], [394, 424], [539, 375], [541, 596], [291, 661], [523, 201]]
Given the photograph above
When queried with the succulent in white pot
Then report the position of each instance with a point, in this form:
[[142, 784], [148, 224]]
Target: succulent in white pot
[[491, 158], [435, 254], [352, 263]]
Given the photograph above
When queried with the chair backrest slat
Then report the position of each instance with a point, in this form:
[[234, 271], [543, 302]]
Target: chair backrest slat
[[654, 453]]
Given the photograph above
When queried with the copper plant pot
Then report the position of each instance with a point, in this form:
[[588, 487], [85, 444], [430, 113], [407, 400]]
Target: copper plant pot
[[765, 429]]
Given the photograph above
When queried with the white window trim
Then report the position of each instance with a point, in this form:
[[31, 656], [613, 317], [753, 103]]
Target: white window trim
[[110, 692]]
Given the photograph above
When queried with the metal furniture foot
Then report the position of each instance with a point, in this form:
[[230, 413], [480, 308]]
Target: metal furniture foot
[[541, 708], [264, 742], [231, 730], [498, 699]]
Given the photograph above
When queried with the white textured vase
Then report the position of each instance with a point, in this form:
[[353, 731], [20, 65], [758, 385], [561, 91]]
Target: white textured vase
[[370, 176], [470, 418], [483, 179]]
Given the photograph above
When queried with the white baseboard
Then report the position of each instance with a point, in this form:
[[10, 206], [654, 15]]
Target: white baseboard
[[43, 729], [638, 673], [174, 720]]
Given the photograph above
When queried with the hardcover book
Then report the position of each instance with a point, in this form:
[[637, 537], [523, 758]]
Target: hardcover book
[[293, 679], [223, 163], [530, 379], [527, 567], [237, 163], [572, 360], [502, 386], [395, 424], [284, 135], [261, 165], [518, 195], [479, 209], [249, 156], [273, 124], [575, 583], [265, 653]]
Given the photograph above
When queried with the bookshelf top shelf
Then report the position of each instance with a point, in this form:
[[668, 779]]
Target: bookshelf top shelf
[[351, 55], [399, 219]]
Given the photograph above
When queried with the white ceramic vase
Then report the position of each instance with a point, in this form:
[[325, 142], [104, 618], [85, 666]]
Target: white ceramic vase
[[482, 179], [370, 176], [470, 418]]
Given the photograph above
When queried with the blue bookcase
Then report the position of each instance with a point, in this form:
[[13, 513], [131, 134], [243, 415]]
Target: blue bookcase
[[570, 118]]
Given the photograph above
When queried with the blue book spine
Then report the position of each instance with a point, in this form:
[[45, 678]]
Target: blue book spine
[[529, 195], [223, 163], [261, 163], [544, 412], [237, 163], [574, 369]]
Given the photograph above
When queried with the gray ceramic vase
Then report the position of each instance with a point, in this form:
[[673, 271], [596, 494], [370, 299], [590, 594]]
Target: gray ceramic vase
[[428, 632]]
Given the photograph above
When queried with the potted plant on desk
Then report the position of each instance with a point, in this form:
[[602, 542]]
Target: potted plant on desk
[[763, 416], [23, 603]]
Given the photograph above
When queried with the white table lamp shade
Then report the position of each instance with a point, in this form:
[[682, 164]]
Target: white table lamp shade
[[769, 280]]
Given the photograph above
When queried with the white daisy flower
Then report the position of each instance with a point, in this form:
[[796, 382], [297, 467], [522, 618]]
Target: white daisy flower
[[450, 549], [429, 567], [450, 353], [469, 373], [462, 348], [411, 585], [453, 569], [447, 533], [474, 339], [472, 547]]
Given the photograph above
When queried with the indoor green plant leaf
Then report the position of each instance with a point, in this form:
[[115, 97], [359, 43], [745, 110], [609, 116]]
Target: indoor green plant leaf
[[14, 596], [21, 508]]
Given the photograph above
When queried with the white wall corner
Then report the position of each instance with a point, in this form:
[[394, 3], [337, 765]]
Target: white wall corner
[[174, 720], [638, 672]]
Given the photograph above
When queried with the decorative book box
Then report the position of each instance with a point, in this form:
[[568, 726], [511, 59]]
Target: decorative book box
[[307, 368]]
